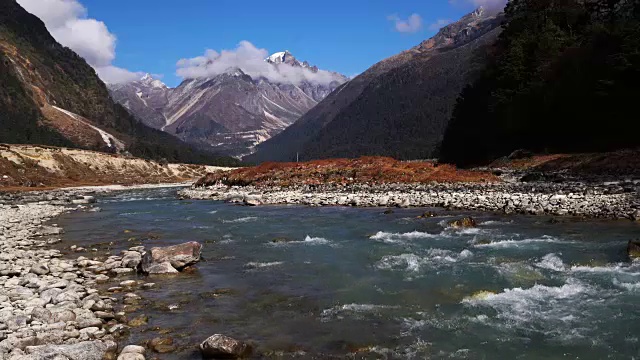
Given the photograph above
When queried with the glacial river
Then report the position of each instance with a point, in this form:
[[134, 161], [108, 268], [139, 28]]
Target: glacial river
[[357, 283]]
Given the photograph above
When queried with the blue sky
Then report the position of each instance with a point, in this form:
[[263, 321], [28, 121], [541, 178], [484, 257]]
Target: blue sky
[[346, 36]]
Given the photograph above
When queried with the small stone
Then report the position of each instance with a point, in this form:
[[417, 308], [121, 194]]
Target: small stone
[[133, 349], [128, 283], [101, 278], [40, 269], [104, 315], [220, 346], [121, 271]]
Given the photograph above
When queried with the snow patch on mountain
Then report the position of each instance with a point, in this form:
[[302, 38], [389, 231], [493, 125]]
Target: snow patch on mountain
[[110, 140], [278, 57]]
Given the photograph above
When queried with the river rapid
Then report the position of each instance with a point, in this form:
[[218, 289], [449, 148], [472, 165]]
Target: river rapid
[[345, 282]]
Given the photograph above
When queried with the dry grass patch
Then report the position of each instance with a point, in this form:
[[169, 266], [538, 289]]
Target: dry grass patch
[[369, 170]]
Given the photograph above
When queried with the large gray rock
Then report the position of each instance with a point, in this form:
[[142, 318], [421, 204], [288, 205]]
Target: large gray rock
[[223, 347], [177, 256], [162, 268], [131, 259], [88, 350]]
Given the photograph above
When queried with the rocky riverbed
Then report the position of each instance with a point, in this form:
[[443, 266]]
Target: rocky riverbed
[[616, 200], [59, 307]]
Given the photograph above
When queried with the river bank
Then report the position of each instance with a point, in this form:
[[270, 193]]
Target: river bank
[[71, 303], [613, 200]]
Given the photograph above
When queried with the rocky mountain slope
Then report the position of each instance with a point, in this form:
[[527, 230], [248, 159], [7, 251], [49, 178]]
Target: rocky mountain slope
[[399, 107], [230, 112], [50, 95]]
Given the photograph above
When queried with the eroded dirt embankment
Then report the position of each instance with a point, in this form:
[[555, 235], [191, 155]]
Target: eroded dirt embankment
[[29, 167]]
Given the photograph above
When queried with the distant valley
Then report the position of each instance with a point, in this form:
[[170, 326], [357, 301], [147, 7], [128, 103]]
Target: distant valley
[[230, 112]]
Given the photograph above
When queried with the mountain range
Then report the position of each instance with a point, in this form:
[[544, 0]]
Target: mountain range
[[287, 109], [49, 95], [399, 107], [230, 111]]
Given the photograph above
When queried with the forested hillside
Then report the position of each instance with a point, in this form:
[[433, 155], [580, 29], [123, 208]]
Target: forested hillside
[[399, 107], [50, 95], [564, 78]]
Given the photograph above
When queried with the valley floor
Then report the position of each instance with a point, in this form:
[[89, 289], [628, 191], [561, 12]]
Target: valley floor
[[36, 167]]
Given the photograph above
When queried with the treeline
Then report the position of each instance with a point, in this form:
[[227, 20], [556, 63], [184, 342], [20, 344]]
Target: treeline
[[564, 77]]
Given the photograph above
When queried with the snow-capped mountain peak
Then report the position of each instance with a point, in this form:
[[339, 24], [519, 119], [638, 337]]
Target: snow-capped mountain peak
[[148, 80], [279, 57]]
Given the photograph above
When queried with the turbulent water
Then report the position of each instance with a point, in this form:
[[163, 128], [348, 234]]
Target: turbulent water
[[349, 282]]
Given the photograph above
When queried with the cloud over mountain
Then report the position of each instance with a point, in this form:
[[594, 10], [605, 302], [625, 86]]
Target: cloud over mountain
[[251, 60]]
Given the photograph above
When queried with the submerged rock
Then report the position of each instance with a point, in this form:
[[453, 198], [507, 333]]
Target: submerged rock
[[170, 259], [466, 222], [428, 214], [162, 345], [633, 249], [281, 239], [223, 347]]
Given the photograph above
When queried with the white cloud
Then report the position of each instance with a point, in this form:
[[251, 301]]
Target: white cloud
[[439, 24], [68, 23], [116, 75], [410, 25], [250, 59]]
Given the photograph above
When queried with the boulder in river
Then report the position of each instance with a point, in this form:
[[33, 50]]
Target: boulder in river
[[465, 222], [253, 200], [160, 260], [633, 249], [223, 347]]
